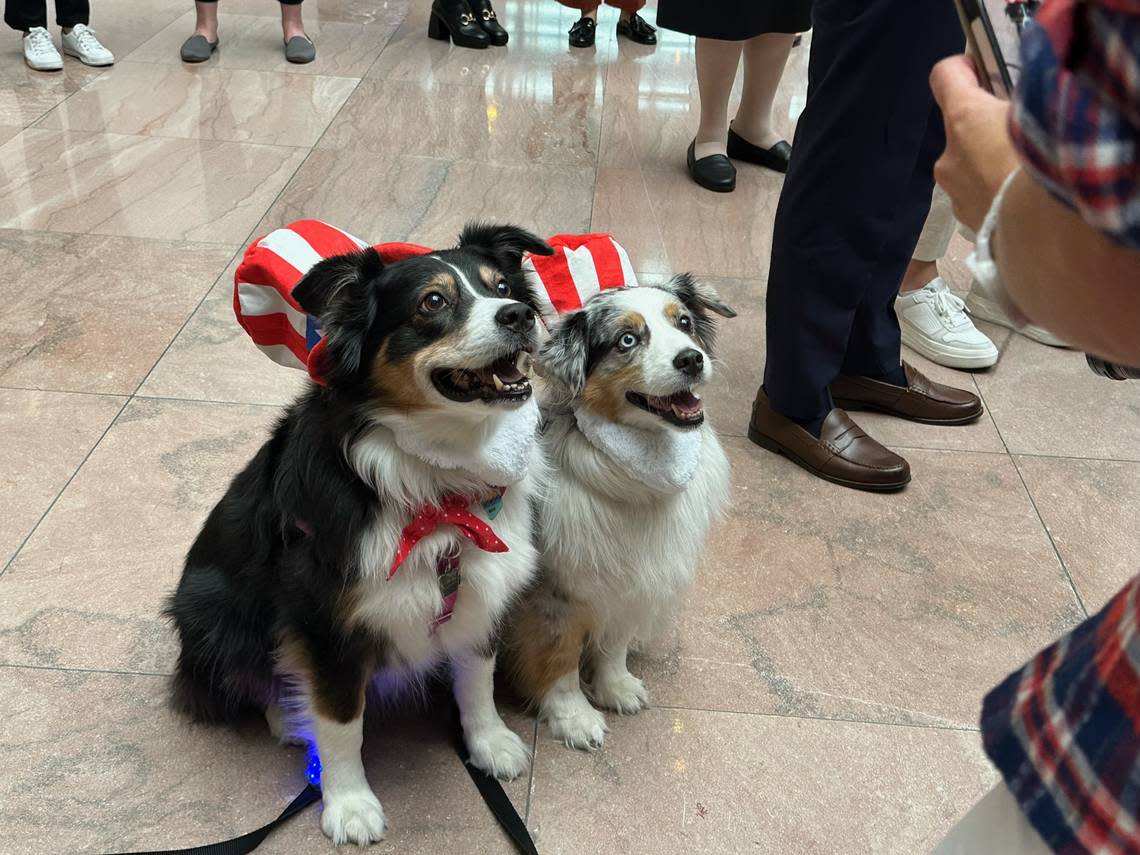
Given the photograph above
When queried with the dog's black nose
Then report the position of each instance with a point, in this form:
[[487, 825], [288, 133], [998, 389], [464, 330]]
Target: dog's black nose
[[515, 316], [689, 361]]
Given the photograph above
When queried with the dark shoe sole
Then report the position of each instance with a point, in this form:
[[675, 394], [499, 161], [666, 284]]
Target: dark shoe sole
[[769, 444], [863, 406]]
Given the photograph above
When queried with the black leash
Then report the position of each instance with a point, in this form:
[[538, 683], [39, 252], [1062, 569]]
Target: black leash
[[489, 788]]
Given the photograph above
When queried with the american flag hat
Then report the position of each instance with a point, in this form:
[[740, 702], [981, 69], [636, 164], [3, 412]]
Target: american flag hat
[[582, 266]]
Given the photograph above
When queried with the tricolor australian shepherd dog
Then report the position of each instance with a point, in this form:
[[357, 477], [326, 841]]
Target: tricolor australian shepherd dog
[[634, 479], [321, 571]]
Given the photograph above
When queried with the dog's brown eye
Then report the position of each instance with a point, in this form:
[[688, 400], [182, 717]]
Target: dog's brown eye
[[503, 289], [628, 340], [432, 303], [685, 322]]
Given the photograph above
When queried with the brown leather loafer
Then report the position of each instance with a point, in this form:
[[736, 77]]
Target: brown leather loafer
[[921, 400], [843, 454]]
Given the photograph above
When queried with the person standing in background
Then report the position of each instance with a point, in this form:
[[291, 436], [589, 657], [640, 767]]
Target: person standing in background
[[30, 18], [630, 24], [762, 31], [856, 195], [299, 48]]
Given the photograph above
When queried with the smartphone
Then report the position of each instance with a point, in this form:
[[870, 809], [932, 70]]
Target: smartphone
[[989, 45]]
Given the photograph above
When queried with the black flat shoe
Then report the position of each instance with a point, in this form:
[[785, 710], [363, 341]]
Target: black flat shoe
[[637, 30], [775, 158], [486, 18], [453, 19], [714, 172], [583, 32]]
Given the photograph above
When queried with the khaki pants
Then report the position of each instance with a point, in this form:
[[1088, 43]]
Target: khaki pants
[[994, 826]]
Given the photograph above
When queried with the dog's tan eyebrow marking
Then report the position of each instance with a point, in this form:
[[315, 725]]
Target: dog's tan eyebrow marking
[[674, 311], [442, 280], [490, 276], [632, 320], [458, 273]]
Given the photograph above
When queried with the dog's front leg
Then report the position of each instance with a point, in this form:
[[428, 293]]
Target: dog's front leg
[[352, 813], [612, 686], [494, 747]]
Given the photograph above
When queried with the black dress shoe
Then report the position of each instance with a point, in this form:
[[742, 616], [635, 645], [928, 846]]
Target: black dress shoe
[[637, 30], [775, 158], [486, 18], [583, 32], [453, 19], [714, 172]]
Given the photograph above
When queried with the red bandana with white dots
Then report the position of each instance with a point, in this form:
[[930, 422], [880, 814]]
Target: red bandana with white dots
[[452, 510]]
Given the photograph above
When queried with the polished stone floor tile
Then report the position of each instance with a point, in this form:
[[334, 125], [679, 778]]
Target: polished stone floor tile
[[124, 774], [88, 588], [93, 314], [138, 186], [46, 436], [426, 200], [906, 608], [377, 12], [25, 95], [1046, 401], [8, 131], [557, 124], [205, 103], [688, 781], [247, 41], [123, 25], [213, 359], [622, 208], [1090, 508]]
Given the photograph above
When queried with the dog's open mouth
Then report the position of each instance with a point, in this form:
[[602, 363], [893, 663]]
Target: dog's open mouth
[[503, 380], [683, 409]]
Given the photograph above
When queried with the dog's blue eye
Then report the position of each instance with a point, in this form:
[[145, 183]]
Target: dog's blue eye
[[504, 289], [432, 303], [627, 341]]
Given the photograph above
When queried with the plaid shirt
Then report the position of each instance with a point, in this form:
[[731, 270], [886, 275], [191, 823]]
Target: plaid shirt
[[1076, 114], [1064, 732]]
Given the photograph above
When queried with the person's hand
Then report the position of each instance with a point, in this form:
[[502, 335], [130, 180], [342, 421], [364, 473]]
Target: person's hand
[[979, 154]]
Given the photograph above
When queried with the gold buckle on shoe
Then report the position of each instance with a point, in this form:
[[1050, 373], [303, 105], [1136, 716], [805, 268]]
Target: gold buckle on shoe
[[466, 18], [488, 14]]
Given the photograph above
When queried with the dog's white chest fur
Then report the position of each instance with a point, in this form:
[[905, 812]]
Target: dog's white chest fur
[[404, 608], [643, 546]]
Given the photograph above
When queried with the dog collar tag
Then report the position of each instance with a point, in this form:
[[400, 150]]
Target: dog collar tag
[[447, 569], [493, 505]]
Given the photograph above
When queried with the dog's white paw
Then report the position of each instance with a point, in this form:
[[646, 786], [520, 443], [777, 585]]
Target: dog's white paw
[[499, 752], [581, 727], [623, 693], [353, 817]]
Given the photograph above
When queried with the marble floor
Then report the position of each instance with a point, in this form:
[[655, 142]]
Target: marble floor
[[820, 692]]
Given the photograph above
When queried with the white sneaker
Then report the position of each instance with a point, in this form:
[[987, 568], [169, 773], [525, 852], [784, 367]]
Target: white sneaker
[[82, 44], [934, 323], [986, 308], [39, 51]]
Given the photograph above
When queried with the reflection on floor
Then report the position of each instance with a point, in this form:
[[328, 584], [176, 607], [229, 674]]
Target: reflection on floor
[[820, 693]]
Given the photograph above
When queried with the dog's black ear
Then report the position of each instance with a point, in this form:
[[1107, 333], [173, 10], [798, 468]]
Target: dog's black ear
[[506, 244], [565, 357], [336, 291], [700, 299]]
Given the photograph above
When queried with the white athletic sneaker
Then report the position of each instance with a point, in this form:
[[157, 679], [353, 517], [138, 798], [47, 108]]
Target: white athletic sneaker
[[39, 51], [986, 308], [82, 44], [935, 324]]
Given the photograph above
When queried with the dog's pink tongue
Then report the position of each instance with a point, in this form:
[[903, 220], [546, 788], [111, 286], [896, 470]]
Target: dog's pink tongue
[[682, 403]]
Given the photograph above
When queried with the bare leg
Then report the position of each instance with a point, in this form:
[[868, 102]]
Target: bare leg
[[494, 747], [206, 23], [918, 273], [764, 60], [291, 24], [592, 14], [717, 62]]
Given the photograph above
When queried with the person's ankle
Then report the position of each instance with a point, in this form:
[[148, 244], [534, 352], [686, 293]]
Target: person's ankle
[[293, 32], [760, 134], [208, 33], [708, 148], [918, 274]]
